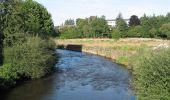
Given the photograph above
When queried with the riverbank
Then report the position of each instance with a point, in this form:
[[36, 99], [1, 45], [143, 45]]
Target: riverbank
[[119, 51]]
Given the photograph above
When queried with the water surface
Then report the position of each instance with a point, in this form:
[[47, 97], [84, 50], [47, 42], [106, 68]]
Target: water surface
[[80, 76]]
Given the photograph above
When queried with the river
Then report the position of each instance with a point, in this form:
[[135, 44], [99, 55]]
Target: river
[[79, 76]]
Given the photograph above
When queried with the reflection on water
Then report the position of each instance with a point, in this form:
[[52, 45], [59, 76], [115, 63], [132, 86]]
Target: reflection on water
[[80, 76]]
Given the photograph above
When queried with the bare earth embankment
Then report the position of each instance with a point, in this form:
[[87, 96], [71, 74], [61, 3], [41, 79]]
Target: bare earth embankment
[[119, 51]]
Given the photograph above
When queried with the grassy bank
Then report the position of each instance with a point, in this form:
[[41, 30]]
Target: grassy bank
[[120, 50]]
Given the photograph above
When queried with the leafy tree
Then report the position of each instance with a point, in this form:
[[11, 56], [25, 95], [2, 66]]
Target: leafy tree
[[22, 23], [69, 22], [1, 49], [80, 24], [165, 30], [153, 32], [87, 31], [69, 32], [2, 13], [37, 20], [12, 23], [152, 22], [93, 27], [134, 21], [116, 34], [136, 31], [121, 25], [26, 16], [100, 27]]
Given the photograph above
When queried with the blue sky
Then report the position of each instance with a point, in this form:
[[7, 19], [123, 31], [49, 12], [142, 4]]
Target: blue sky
[[65, 9]]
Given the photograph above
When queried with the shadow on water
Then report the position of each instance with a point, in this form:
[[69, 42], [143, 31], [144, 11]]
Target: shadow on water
[[77, 48], [80, 76]]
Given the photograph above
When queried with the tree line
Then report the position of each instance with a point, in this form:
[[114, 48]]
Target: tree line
[[26, 51], [97, 27]]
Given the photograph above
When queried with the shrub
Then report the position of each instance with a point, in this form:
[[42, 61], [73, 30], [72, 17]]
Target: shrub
[[32, 59], [152, 74], [69, 33], [116, 34], [7, 76], [135, 31], [165, 30], [153, 33]]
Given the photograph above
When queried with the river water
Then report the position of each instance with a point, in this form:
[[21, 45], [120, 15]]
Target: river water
[[79, 76]]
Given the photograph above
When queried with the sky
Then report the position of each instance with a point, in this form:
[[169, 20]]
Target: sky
[[62, 10]]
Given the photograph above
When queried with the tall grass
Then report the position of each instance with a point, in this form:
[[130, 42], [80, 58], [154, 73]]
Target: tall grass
[[151, 71], [34, 58]]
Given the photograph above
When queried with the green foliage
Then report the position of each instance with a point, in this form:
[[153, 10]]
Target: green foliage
[[7, 76], [69, 32], [69, 22], [1, 34], [122, 59], [25, 17], [7, 72], [121, 25], [25, 27], [151, 71], [145, 27], [37, 19], [135, 31], [152, 24], [99, 27], [116, 34], [153, 33], [31, 58], [1, 51], [134, 21], [165, 30], [1, 48], [92, 27]]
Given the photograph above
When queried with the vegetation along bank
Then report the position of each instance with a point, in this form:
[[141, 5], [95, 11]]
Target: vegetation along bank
[[26, 52]]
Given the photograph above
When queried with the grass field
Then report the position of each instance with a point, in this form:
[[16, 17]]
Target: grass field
[[119, 50]]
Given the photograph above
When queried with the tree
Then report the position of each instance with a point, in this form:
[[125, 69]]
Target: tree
[[37, 20], [116, 34], [69, 22], [69, 32], [134, 21], [165, 30], [23, 26], [80, 24], [26, 16], [1, 48], [121, 25], [135, 31], [100, 27], [153, 32], [93, 27], [2, 13]]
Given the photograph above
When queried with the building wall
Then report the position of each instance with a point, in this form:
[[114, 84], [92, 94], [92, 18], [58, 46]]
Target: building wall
[[112, 22]]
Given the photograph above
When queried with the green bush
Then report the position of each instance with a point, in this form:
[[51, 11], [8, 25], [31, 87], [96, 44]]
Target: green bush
[[153, 33], [32, 59], [25, 56], [7, 76], [152, 74], [69, 33], [116, 34], [135, 31], [165, 30]]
